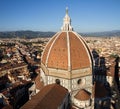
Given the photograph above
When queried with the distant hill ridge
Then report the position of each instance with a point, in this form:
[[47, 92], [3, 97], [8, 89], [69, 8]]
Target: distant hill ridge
[[104, 33], [25, 34], [35, 34]]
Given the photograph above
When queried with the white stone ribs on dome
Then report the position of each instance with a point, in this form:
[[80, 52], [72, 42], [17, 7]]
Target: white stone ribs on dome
[[47, 45], [83, 42], [57, 35], [68, 47]]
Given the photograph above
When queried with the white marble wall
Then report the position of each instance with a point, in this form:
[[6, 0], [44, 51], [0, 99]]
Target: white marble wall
[[82, 104], [64, 82], [72, 85], [43, 77]]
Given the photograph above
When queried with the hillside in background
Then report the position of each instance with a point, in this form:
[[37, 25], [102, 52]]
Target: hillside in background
[[102, 34], [36, 34], [25, 34]]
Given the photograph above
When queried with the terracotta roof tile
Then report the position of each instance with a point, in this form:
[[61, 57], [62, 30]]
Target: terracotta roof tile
[[58, 48], [79, 56], [50, 97], [58, 57], [45, 53], [83, 95]]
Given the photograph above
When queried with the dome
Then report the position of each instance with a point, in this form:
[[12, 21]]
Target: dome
[[83, 95], [66, 52], [66, 49]]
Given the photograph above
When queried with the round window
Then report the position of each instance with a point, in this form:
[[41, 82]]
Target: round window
[[81, 82], [57, 81]]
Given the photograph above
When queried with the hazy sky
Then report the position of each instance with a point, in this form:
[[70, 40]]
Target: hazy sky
[[47, 15]]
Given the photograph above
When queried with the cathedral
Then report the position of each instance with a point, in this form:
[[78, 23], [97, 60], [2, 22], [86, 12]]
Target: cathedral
[[67, 61], [68, 75]]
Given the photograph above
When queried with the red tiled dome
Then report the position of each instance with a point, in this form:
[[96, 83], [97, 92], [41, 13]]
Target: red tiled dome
[[83, 95], [66, 49]]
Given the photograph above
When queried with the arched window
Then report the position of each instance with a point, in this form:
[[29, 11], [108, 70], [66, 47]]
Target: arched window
[[57, 81]]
